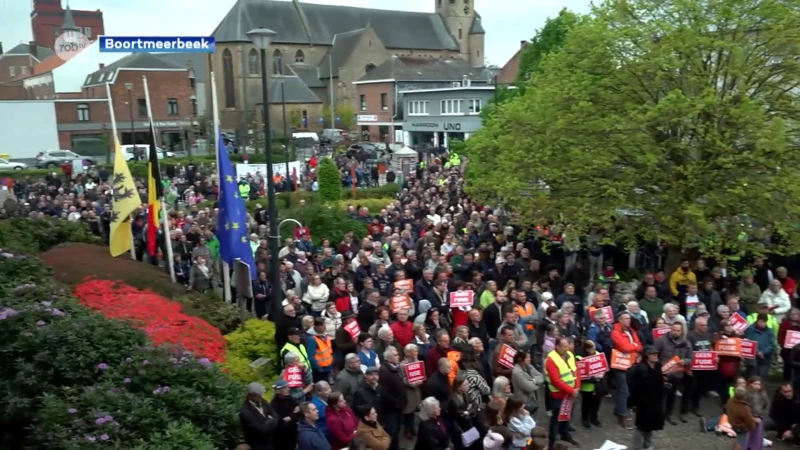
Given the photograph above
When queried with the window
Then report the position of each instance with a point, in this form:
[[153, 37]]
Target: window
[[363, 99], [192, 83], [277, 62], [193, 103], [451, 107], [227, 75], [299, 56], [369, 68], [141, 105], [83, 112], [474, 106], [304, 118], [384, 102], [172, 107], [252, 62], [418, 108], [452, 2], [439, 3], [460, 31], [87, 31], [23, 70], [13, 71]]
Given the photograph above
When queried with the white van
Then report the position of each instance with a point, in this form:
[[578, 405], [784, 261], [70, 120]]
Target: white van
[[127, 150], [305, 140]]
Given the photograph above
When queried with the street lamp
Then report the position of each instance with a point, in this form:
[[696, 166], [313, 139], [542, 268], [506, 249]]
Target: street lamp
[[129, 87], [261, 38]]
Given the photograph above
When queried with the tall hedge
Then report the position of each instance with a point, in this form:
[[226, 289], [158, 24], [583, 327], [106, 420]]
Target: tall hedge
[[330, 184]]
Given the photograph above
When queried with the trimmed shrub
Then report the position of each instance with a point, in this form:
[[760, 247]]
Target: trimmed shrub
[[328, 222], [254, 340], [330, 184], [38, 235], [372, 204]]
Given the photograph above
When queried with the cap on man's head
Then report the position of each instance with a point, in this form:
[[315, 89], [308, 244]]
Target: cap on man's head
[[280, 384], [256, 389], [293, 332], [372, 369], [650, 350]]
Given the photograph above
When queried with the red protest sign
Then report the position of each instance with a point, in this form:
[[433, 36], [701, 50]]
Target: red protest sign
[[738, 323], [792, 338], [606, 309], [404, 285], [506, 358], [749, 348], [671, 365], [293, 376], [415, 372], [658, 332], [704, 361], [729, 347], [462, 299], [565, 412], [400, 302], [592, 366], [353, 329]]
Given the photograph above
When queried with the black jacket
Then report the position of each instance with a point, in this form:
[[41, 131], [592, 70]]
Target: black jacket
[[258, 428], [646, 385], [432, 436], [784, 412], [366, 396], [438, 387], [392, 390]]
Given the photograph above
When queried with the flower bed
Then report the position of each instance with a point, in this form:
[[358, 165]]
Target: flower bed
[[160, 319]]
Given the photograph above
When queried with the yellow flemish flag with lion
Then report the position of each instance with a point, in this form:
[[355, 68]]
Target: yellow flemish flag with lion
[[125, 201]]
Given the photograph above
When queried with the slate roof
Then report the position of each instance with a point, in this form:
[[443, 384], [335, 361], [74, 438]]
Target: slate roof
[[476, 27], [308, 75], [198, 61], [132, 61], [407, 68], [25, 49], [343, 46], [295, 90], [307, 23]]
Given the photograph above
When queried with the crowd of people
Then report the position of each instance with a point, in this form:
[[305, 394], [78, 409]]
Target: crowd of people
[[447, 327]]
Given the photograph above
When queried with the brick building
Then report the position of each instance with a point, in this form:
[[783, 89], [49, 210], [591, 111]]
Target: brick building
[[508, 74], [19, 61], [380, 109], [49, 19]]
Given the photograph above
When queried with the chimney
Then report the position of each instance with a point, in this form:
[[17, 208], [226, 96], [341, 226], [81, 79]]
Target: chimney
[[101, 66], [1, 48], [523, 44], [33, 49]]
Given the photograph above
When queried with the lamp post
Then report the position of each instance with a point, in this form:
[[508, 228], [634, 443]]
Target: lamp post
[[261, 38], [285, 133], [129, 87]]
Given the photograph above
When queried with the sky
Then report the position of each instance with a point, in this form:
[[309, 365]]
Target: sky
[[507, 22]]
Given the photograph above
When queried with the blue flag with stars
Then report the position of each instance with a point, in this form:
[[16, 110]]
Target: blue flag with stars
[[232, 222]]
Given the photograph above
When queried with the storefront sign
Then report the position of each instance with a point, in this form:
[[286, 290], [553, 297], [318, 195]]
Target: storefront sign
[[366, 118], [425, 125], [592, 366], [415, 372], [452, 127], [506, 358], [704, 361]]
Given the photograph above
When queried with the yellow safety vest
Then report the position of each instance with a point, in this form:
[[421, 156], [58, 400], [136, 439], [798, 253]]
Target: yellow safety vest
[[244, 191], [566, 369], [299, 349]]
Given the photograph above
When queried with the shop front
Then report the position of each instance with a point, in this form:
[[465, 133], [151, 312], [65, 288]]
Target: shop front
[[439, 131]]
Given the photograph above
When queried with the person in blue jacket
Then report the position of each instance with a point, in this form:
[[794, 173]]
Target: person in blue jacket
[[599, 332], [309, 436], [765, 342], [322, 390]]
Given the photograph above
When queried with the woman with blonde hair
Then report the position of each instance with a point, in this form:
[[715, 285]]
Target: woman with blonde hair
[[501, 391]]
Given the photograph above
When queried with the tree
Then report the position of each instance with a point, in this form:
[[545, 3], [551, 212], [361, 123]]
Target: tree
[[675, 121], [330, 184], [550, 38], [344, 116], [295, 119]]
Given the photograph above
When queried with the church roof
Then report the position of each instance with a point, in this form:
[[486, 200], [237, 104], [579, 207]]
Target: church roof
[[25, 50], [308, 75], [308, 23], [408, 68], [343, 46], [294, 89], [69, 22], [476, 27]]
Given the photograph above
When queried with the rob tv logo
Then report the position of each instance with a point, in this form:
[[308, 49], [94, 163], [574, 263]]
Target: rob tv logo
[[70, 43]]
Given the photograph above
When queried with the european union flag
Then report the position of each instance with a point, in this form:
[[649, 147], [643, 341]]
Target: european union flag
[[232, 224]]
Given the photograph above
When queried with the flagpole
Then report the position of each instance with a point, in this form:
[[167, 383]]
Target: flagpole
[[165, 221], [117, 148], [226, 272]]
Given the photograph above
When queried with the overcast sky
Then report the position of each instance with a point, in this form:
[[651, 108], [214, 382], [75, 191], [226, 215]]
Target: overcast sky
[[507, 22]]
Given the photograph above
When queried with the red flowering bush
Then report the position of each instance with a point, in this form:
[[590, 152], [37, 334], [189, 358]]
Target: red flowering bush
[[159, 318]]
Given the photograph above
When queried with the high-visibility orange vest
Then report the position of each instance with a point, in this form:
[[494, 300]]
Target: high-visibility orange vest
[[454, 357], [524, 311], [323, 356]]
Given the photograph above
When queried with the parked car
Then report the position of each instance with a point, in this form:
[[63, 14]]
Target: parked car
[[333, 136], [55, 158], [8, 165], [130, 156]]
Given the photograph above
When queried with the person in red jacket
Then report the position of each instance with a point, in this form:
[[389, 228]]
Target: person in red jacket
[[403, 329], [340, 420], [340, 296], [790, 323], [625, 340], [563, 383]]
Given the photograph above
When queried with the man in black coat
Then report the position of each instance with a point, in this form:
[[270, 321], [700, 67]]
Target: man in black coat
[[646, 385], [392, 395], [257, 418], [438, 386], [368, 395]]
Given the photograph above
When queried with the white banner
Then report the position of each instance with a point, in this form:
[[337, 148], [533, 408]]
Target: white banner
[[243, 170]]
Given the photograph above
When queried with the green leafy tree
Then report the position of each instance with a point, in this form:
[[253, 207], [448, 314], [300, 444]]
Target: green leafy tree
[[674, 121], [551, 38], [343, 111], [295, 119], [330, 184]]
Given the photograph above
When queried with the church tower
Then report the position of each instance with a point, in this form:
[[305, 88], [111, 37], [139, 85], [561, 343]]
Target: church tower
[[465, 26]]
